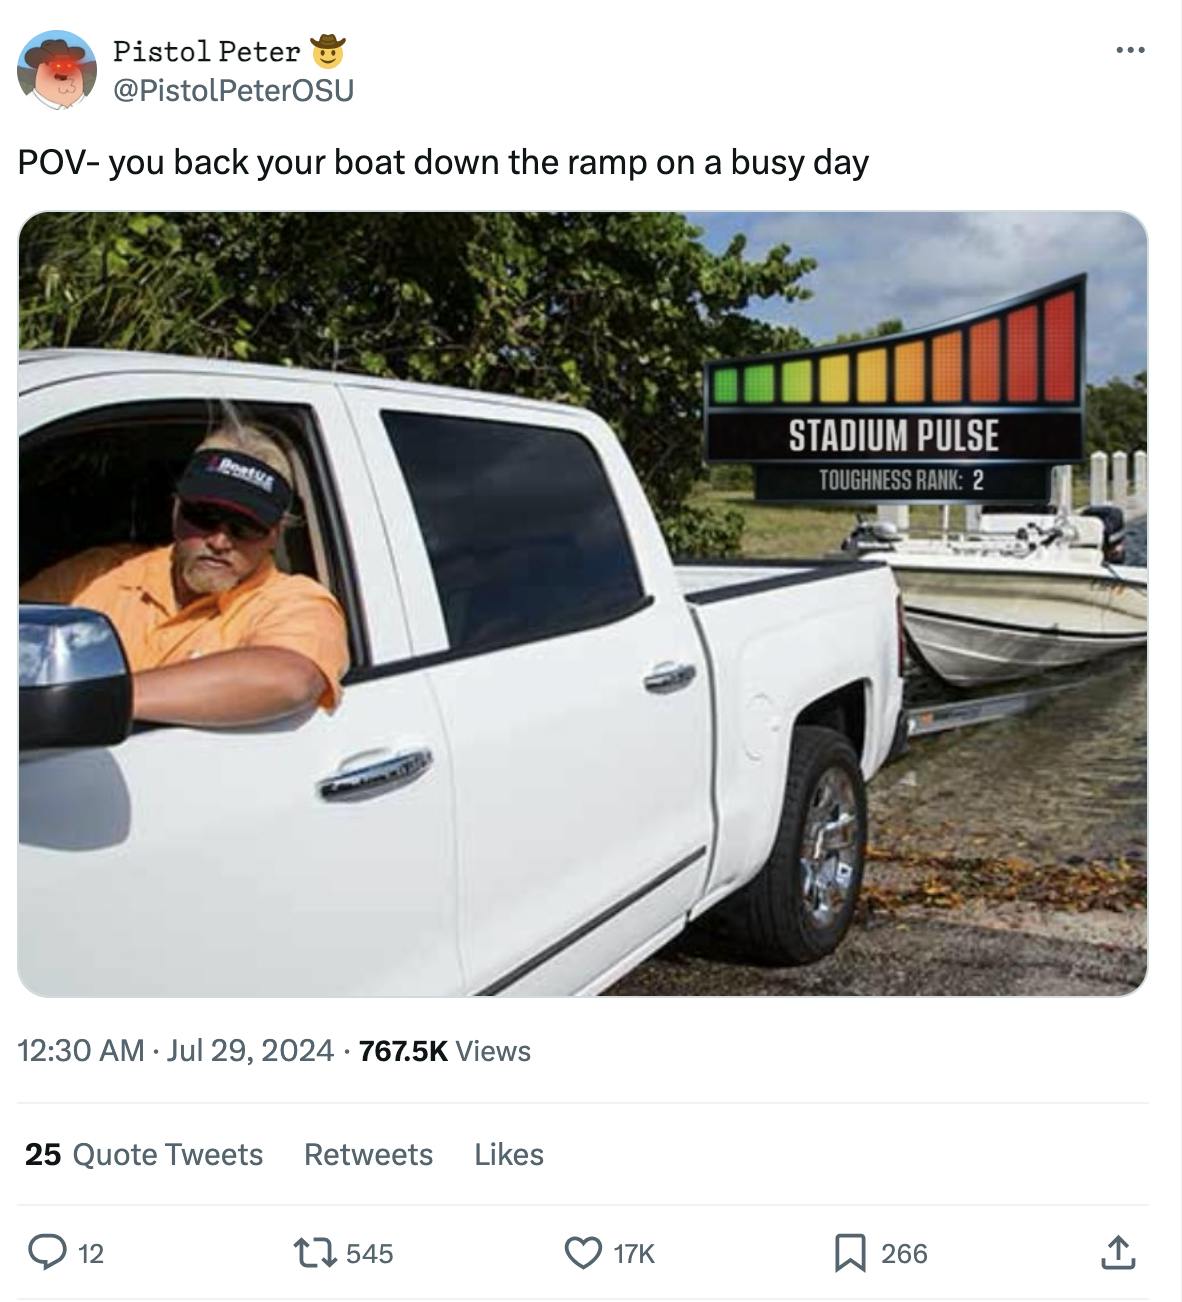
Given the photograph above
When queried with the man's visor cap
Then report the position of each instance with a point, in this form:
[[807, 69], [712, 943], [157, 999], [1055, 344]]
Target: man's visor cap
[[237, 482]]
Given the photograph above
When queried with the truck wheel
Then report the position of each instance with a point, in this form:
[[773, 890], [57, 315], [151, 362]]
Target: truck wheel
[[800, 906]]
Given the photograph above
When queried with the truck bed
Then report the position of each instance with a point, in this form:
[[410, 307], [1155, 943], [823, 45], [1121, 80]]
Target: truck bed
[[720, 580], [778, 637]]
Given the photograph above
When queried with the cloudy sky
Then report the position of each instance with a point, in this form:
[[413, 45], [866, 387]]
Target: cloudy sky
[[927, 267]]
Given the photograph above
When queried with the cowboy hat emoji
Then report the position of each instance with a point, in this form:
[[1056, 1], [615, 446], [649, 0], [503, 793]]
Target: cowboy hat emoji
[[326, 49]]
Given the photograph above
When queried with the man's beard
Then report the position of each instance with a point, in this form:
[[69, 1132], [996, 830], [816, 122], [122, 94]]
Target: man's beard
[[206, 580]]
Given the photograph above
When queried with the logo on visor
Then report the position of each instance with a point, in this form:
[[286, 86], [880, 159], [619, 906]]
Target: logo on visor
[[57, 69], [223, 465]]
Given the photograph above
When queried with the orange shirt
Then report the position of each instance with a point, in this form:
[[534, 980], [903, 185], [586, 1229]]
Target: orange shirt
[[133, 588]]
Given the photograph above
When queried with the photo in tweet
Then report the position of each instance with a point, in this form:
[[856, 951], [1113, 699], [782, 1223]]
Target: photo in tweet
[[641, 603]]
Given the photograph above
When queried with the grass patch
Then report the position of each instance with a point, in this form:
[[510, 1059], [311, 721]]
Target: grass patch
[[778, 529]]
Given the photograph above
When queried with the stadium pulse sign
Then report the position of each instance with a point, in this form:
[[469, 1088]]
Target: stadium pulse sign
[[975, 409]]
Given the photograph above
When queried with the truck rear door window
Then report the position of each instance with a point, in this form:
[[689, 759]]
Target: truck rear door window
[[521, 527]]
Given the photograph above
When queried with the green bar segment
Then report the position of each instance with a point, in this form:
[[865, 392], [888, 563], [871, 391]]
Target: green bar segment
[[726, 384], [759, 383], [797, 381]]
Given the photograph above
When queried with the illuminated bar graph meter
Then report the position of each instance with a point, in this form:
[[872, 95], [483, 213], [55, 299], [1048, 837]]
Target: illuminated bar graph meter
[[977, 409]]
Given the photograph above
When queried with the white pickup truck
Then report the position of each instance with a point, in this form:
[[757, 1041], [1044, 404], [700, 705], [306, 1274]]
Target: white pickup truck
[[555, 748]]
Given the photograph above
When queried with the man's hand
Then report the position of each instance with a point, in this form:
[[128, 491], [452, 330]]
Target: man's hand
[[228, 689]]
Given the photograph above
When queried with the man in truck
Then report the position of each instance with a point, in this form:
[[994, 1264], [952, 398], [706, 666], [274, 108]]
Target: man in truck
[[215, 635]]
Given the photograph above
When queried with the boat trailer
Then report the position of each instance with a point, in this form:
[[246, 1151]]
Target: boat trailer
[[925, 720]]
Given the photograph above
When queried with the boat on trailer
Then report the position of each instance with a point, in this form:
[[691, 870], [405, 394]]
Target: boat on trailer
[[1024, 594]]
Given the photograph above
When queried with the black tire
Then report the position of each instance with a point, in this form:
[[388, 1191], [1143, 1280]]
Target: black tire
[[776, 918]]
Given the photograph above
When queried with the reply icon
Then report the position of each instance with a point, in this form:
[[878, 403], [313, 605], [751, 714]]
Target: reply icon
[[47, 1249], [849, 1250]]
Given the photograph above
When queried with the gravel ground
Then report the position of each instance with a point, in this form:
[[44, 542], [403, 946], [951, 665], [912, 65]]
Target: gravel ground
[[912, 955]]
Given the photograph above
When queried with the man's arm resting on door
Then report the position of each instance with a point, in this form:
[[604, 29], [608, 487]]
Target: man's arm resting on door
[[255, 684]]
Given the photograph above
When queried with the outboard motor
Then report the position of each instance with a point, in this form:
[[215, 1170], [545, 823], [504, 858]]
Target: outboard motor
[[1113, 519], [871, 536]]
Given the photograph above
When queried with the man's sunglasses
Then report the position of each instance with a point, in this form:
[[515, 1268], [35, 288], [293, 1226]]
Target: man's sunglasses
[[212, 519]]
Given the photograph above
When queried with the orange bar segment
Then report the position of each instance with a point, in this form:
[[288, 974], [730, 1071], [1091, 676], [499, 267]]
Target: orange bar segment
[[909, 372], [984, 361], [947, 364]]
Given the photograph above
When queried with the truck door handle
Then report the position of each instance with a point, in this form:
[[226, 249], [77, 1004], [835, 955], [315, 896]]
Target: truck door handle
[[670, 677], [391, 771]]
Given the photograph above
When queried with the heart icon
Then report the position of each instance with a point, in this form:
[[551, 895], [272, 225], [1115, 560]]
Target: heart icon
[[583, 1252]]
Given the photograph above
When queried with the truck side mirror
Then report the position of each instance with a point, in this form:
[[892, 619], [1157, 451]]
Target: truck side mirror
[[75, 686]]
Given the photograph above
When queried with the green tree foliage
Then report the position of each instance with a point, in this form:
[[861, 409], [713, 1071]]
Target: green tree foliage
[[892, 326], [1116, 415], [616, 311]]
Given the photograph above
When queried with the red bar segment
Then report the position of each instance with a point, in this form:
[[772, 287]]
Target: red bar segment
[[1058, 348], [984, 361], [1022, 355]]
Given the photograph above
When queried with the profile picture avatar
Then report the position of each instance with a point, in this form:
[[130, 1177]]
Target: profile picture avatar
[[57, 69]]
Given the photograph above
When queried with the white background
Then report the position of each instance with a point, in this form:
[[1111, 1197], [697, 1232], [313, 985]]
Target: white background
[[1017, 1103]]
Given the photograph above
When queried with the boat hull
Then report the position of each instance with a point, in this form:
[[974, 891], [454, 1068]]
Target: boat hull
[[974, 626]]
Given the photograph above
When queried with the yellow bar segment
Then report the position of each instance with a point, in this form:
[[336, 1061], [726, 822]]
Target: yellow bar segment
[[872, 375], [835, 378], [909, 372]]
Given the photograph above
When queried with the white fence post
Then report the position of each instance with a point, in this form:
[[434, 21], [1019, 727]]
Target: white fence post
[[1061, 497], [1098, 489], [972, 519], [1141, 478], [1120, 478], [1066, 487], [893, 513]]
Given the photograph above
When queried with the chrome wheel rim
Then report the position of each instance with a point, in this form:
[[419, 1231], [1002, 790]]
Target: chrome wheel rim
[[829, 848]]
